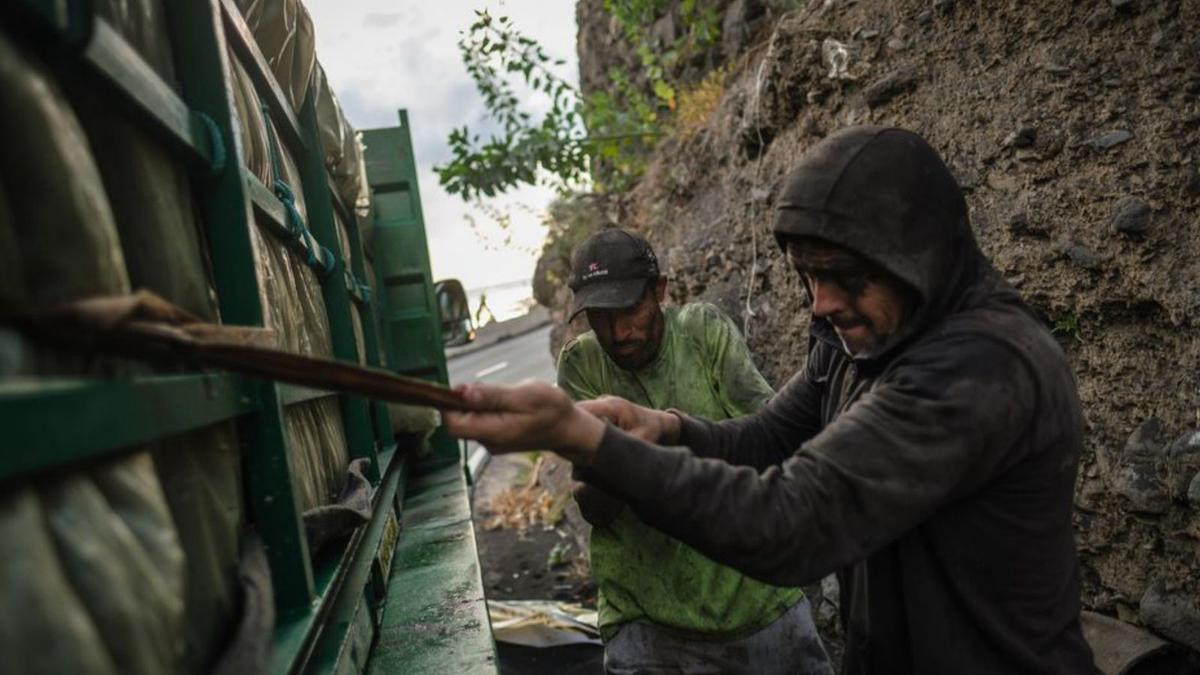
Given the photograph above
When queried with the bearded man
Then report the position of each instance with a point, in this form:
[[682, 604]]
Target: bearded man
[[664, 608]]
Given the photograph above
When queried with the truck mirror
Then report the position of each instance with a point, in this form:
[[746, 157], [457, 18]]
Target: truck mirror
[[455, 311]]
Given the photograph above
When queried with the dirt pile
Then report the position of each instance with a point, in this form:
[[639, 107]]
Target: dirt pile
[[1074, 129]]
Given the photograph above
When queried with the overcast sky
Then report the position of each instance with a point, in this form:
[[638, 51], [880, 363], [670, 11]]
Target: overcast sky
[[382, 55]]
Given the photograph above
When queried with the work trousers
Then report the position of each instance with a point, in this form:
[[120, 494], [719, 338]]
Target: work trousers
[[790, 645]]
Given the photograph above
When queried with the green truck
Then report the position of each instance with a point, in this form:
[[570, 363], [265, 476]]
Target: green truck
[[161, 517]]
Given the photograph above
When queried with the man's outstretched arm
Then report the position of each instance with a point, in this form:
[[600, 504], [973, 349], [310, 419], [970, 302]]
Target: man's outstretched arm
[[936, 432]]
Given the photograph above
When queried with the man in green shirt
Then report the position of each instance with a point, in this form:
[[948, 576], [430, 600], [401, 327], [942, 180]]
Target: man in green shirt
[[665, 608]]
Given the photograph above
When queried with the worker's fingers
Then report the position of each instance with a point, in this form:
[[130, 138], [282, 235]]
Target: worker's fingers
[[627, 416], [483, 396], [494, 430], [507, 418], [530, 395], [611, 408]]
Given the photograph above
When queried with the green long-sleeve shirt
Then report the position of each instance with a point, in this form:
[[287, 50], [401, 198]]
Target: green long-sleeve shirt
[[704, 369]]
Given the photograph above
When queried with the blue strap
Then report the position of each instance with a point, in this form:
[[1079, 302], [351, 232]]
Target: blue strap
[[216, 143], [318, 257]]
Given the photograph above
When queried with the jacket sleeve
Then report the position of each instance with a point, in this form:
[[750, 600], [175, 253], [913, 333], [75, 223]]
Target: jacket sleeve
[[597, 507], [940, 426], [771, 435]]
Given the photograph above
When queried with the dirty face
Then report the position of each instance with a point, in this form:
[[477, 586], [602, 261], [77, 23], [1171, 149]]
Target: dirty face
[[863, 303], [631, 337]]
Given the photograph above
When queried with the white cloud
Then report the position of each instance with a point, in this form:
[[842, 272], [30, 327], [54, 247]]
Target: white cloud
[[382, 55]]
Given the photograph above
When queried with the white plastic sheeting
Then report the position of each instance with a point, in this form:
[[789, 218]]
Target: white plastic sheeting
[[94, 555]]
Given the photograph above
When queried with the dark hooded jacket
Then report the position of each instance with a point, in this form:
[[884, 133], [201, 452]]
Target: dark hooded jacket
[[934, 475]]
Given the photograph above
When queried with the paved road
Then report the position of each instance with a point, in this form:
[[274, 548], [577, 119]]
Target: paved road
[[507, 362]]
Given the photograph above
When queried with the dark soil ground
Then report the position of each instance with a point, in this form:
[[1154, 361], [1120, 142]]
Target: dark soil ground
[[517, 566]]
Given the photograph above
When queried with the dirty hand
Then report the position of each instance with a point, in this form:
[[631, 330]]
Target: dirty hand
[[529, 416], [655, 426]]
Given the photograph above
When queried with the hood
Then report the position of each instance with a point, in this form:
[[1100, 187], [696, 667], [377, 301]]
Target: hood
[[887, 195]]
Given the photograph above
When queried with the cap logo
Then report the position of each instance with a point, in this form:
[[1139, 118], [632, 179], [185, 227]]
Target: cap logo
[[593, 271]]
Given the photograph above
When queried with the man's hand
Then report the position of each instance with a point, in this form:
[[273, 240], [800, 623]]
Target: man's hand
[[529, 416], [655, 426]]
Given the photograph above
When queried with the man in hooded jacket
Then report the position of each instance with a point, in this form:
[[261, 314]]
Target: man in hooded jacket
[[926, 452]]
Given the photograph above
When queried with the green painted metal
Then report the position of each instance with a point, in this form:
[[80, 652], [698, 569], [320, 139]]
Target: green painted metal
[[339, 647], [198, 37], [436, 620], [149, 408], [356, 416], [303, 639], [384, 434], [408, 310]]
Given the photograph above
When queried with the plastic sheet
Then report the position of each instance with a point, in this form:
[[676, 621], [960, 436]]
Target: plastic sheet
[[44, 628], [137, 608], [329, 118], [115, 563], [538, 623], [283, 30], [344, 155], [252, 125], [411, 419], [200, 475], [142, 24]]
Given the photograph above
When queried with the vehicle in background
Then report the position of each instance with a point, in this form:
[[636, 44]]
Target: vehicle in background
[[455, 312]]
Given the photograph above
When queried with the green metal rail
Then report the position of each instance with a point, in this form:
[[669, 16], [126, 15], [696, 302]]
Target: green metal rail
[[329, 610]]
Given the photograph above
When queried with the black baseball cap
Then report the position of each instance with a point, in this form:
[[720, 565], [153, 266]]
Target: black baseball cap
[[610, 270]]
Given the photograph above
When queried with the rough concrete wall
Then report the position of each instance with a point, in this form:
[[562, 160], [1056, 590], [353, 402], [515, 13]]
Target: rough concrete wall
[[1073, 128]]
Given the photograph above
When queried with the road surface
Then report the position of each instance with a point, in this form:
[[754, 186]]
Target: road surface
[[506, 362]]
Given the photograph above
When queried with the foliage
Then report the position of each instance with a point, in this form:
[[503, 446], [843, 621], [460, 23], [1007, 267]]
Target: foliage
[[701, 29], [1067, 326], [493, 52], [697, 103], [605, 137]]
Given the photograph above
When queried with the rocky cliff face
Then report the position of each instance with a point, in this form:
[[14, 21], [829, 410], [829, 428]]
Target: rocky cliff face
[[1074, 129]]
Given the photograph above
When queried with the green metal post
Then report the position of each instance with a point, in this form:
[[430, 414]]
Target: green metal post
[[408, 309], [203, 68], [356, 417], [383, 422]]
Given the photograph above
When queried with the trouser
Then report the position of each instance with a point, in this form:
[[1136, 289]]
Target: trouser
[[790, 644]]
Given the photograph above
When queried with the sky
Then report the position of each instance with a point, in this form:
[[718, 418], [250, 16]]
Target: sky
[[383, 55]]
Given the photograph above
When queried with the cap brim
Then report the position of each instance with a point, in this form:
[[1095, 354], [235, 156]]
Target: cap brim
[[609, 295]]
